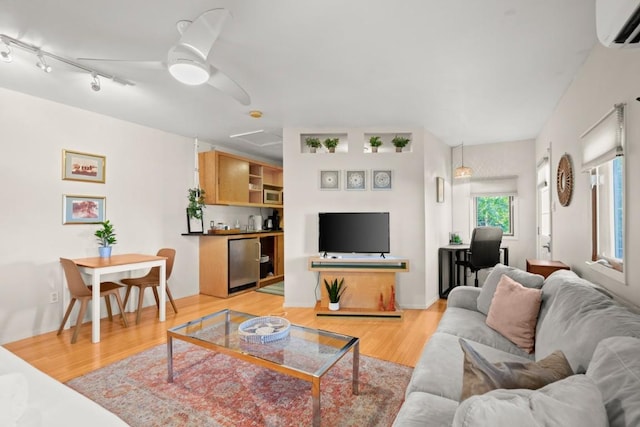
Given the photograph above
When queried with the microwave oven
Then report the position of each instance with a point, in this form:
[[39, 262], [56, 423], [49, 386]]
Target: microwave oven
[[273, 197]]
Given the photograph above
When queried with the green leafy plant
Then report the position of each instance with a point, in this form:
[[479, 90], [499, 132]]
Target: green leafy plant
[[106, 236], [400, 141], [335, 289], [313, 142], [331, 143], [196, 203], [375, 141]]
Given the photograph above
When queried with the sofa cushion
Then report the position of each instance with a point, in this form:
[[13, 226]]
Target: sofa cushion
[[439, 369], [472, 325], [556, 280], [514, 312], [615, 368], [578, 319], [481, 376], [421, 409], [573, 401], [489, 287], [14, 394]]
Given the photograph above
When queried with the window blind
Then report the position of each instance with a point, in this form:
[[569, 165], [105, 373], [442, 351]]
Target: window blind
[[494, 186], [605, 140]]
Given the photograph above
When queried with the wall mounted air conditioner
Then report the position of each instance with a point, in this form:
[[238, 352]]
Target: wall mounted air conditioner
[[618, 23]]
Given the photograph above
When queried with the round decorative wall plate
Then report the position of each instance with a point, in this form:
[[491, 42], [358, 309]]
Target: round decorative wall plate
[[565, 180]]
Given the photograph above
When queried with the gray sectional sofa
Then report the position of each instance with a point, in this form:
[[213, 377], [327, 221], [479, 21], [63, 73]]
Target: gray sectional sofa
[[598, 336]]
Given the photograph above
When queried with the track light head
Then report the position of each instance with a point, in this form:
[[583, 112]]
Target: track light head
[[95, 84], [5, 55], [42, 64]]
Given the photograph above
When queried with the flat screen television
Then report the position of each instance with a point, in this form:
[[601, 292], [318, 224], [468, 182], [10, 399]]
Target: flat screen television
[[354, 232]]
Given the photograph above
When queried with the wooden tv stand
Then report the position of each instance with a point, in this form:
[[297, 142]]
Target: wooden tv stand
[[370, 285]]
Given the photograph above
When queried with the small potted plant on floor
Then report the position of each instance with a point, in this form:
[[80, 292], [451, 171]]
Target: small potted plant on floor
[[335, 290], [106, 237], [375, 142], [313, 144], [400, 142], [331, 144]]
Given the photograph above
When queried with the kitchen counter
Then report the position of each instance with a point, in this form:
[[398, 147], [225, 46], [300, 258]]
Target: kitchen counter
[[228, 233]]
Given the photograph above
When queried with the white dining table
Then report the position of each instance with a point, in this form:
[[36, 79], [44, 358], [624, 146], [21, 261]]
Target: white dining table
[[97, 266]]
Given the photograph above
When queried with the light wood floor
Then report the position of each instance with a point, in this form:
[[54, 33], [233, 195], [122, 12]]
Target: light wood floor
[[399, 341]]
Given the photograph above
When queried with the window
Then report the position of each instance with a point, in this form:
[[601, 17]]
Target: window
[[494, 211], [608, 213], [603, 158]]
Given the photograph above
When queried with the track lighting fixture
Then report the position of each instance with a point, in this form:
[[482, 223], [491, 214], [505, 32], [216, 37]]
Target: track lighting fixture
[[42, 63], [95, 84], [5, 55]]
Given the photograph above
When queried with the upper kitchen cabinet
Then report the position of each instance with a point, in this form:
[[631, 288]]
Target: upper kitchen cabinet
[[228, 179]]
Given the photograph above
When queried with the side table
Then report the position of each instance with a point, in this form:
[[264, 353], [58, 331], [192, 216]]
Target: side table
[[545, 267]]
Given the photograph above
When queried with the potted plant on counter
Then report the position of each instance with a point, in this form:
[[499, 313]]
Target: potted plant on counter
[[106, 237], [196, 203], [331, 144], [375, 142], [400, 142], [194, 211], [313, 144], [335, 290]]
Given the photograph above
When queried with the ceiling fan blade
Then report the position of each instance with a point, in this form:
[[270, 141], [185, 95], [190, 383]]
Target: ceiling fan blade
[[204, 31], [225, 84], [150, 64]]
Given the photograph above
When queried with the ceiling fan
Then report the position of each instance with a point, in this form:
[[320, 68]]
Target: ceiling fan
[[188, 60]]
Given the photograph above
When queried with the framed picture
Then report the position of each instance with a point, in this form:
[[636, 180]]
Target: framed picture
[[381, 180], [330, 180], [439, 189], [356, 180], [83, 166], [83, 209], [195, 225]]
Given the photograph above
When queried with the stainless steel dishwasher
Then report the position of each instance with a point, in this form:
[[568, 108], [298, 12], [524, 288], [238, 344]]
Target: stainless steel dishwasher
[[244, 263]]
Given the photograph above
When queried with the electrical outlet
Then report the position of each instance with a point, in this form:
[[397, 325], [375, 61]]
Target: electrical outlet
[[53, 297]]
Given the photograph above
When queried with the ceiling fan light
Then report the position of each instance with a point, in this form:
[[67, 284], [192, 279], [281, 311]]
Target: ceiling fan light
[[189, 72]]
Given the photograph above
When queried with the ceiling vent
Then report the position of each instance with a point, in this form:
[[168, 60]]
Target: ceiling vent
[[618, 23], [260, 138]]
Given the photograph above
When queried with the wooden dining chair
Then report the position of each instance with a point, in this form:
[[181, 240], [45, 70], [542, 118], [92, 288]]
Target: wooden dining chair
[[83, 292], [151, 280]]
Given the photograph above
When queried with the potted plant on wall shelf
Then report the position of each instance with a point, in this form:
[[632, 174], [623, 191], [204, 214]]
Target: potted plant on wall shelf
[[313, 144], [106, 237], [335, 290], [331, 144], [194, 209], [375, 142], [400, 142]]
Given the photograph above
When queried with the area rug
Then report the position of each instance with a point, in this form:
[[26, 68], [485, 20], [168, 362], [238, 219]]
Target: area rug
[[213, 389], [275, 289]]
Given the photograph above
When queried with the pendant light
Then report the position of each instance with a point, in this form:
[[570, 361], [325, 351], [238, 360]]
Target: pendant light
[[462, 171]]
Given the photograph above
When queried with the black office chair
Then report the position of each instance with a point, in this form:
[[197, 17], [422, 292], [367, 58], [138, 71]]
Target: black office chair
[[484, 250]]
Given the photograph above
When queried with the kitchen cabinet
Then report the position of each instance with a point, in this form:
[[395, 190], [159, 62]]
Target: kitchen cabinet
[[228, 179], [215, 261]]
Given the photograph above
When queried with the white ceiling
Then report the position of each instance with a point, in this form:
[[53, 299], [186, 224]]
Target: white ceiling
[[466, 70]]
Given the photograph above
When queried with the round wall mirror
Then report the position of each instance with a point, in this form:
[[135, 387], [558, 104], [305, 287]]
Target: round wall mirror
[[565, 180]]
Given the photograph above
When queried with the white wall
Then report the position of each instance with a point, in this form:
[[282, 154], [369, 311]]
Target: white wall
[[608, 77], [405, 202], [493, 160], [147, 177]]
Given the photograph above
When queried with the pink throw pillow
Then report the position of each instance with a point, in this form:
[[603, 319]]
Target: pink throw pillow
[[514, 312]]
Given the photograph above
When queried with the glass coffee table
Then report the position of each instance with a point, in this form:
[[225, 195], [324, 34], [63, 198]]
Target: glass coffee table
[[305, 353]]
